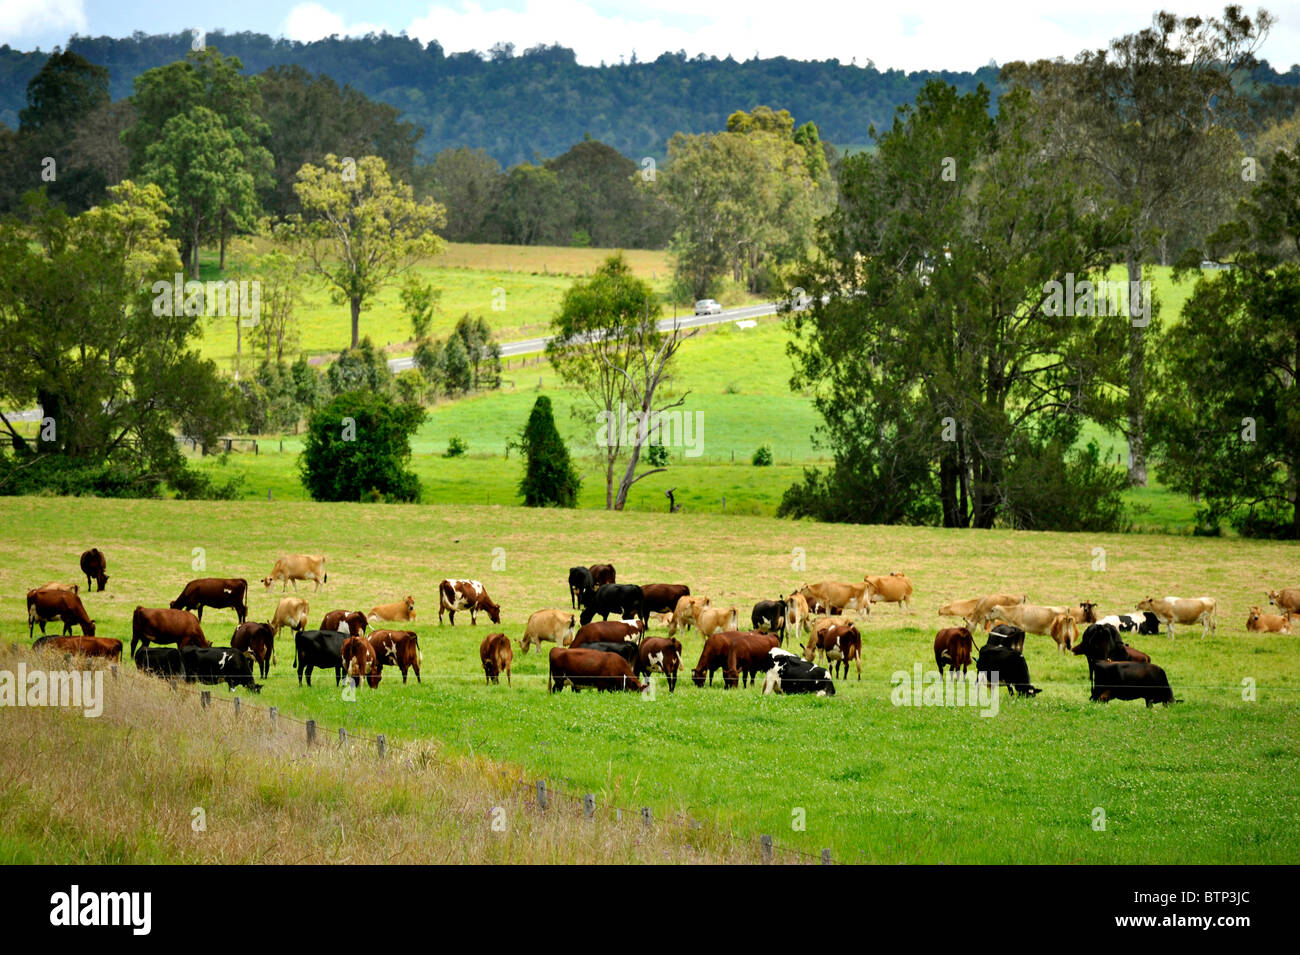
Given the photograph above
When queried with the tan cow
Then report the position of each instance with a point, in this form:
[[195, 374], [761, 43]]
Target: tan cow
[[1260, 622], [1172, 610], [981, 613], [403, 609], [685, 612], [961, 608], [894, 589], [797, 616], [297, 567], [834, 596], [66, 588], [1287, 599], [553, 625], [290, 612], [711, 620], [1049, 621]]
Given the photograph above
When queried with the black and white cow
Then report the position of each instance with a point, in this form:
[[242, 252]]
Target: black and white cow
[[789, 673], [768, 616], [1130, 681], [1010, 667], [1007, 635], [211, 665], [164, 661], [1143, 624]]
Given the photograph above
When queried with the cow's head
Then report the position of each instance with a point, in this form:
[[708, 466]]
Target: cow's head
[[1272, 596], [1146, 605], [493, 611], [410, 603], [267, 582], [101, 579], [697, 676], [1089, 611]]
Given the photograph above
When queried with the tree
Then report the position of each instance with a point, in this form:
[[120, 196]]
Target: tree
[[1152, 119], [358, 447], [360, 230], [550, 480], [281, 277], [531, 208], [604, 189], [113, 379], [937, 356], [467, 183], [1226, 425], [363, 367]]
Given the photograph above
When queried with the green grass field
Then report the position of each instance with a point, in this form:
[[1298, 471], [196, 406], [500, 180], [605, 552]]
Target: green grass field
[[1212, 779]]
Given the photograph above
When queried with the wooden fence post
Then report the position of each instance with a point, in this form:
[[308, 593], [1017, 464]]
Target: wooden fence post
[[646, 816], [343, 736], [275, 712], [541, 794], [766, 843], [589, 804], [826, 857], [236, 706], [205, 698], [311, 731]]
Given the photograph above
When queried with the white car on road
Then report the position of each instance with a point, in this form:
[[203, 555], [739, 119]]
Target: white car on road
[[708, 306]]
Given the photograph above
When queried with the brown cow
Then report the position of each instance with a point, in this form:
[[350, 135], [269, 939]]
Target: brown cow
[[355, 620], [166, 626], [359, 661], [290, 612], [551, 625], [747, 656], [602, 574], [297, 567], [397, 648], [661, 598], [590, 668], [1287, 599], [468, 595], [660, 655], [257, 639], [401, 610], [497, 655], [1086, 612], [896, 588], [55, 585], [600, 631], [714, 656], [106, 647], [93, 566], [839, 643], [952, 648], [1260, 622], [215, 592], [46, 605]]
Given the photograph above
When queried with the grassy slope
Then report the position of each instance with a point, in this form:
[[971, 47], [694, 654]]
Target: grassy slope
[[877, 782]]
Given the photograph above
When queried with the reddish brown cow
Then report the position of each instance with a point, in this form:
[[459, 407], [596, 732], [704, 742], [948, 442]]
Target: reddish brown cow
[[602, 574], [714, 655], [359, 661], [397, 648], [257, 639], [214, 592], [356, 621], [166, 626], [660, 655], [105, 647], [93, 566], [661, 598], [602, 631], [497, 655], [952, 648], [748, 656], [1136, 656], [468, 595], [590, 668], [46, 605], [838, 644]]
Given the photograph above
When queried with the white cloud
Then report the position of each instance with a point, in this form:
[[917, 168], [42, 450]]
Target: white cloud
[[311, 21], [22, 20]]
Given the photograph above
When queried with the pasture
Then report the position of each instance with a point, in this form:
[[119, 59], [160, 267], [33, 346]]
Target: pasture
[[1213, 779]]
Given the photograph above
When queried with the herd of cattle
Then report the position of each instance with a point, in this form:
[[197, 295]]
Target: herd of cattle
[[620, 654]]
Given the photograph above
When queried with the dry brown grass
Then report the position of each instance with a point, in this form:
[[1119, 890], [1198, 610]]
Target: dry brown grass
[[125, 787]]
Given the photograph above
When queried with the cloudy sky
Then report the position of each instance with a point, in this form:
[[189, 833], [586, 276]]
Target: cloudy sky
[[949, 34]]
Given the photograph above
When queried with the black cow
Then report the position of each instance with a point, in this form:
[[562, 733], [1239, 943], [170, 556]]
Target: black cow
[[769, 616], [164, 661], [1130, 681], [621, 599], [1010, 667], [580, 584], [211, 665], [1101, 641], [788, 673], [1007, 635], [624, 648], [319, 648]]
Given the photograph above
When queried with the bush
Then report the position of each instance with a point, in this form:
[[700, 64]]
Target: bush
[[455, 447], [763, 457], [1048, 489], [357, 448], [550, 480], [657, 455], [363, 367]]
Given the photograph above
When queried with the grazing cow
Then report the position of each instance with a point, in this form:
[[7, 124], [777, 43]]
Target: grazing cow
[[215, 592], [468, 595], [359, 661], [321, 649], [602, 574], [1086, 612], [768, 616], [211, 665], [93, 566], [1287, 599], [1130, 681], [55, 585], [590, 668], [835, 596], [714, 656], [660, 655], [983, 612], [661, 598], [163, 661], [961, 608], [952, 648], [397, 648], [291, 612], [555, 626], [894, 589], [497, 656], [1260, 622], [838, 643], [83, 646], [599, 631], [355, 621], [685, 614], [628, 651], [580, 583], [1049, 621], [1172, 610], [165, 625], [1006, 635], [259, 640], [400, 610], [797, 615], [46, 605], [789, 674], [747, 656], [297, 567], [711, 620], [1143, 624], [1008, 666], [621, 599]]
